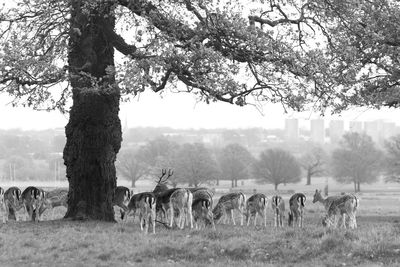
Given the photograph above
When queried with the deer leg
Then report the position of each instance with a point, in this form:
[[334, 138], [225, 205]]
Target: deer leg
[[241, 216], [153, 215], [232, 217], [255, 218], [172, 216]]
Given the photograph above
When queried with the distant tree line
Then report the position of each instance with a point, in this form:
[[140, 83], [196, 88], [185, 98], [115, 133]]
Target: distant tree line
[[36, 155]]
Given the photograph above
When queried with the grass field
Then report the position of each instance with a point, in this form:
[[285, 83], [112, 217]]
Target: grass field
[[66, 243]]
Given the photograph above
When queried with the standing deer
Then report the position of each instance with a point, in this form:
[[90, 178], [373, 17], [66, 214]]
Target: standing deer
[[33, 198], [122, 195], [342, 206], [296, 209], [145, 203], [227, 204], [12, 203], [256, 204], [278, 206], [325, 201]]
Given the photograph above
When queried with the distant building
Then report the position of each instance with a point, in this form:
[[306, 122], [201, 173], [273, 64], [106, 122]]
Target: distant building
[[356, 126], [318, 131], [375, 130], [336, 130], [292, 129]]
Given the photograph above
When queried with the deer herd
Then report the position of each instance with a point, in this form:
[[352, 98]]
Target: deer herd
[[186, 207]]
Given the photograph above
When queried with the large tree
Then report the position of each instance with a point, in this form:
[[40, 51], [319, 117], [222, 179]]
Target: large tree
[[277, 166], [357, 160], [208, 46]]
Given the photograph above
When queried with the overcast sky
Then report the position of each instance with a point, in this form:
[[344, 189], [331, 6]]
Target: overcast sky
[[182, 111]]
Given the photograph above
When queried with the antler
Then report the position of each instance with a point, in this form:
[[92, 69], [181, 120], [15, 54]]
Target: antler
[[163, 173]]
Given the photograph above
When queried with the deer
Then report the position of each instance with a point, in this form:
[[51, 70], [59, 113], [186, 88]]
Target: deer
[[227, 204], [202, 214], [33, 198], [256, 204], [145, 203], [326, 202], [122, 196], [54, 198], [278, 207], [12, 203], [296, 209], [167, 199], [342, 206]]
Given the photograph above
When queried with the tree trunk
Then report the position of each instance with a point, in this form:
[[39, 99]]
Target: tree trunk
[[94, 130], [276, 187], [133, 183], [358, 187], [217, 181], [308, 178], [233, 183], [236, 182], [355, 187]]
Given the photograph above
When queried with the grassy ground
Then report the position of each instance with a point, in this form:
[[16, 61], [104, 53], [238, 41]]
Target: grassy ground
[[64, 243]]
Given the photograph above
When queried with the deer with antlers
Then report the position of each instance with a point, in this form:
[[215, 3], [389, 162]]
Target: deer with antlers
[[227, 204], [296, 209], [176, 200], [278, 206], [256, 204]]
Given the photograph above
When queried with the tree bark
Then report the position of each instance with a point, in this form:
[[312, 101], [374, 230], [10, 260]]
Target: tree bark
[[94, 130], [133, 183], [358, 187], [355, 187], [276, 187]]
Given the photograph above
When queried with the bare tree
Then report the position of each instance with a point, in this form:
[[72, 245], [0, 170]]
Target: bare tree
[[277, 166], [313, 162], [131, 166], [392, 161], [235, 163], [357, 160]]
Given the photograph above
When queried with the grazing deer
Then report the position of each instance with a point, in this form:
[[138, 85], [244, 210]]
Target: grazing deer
[[201, 208], [122, 196], [325, 201], [33, 198], [181, 203], [296, 206], [256, 204], [278, 206], [227, 203], [342, 206], [146, 204], [54, 198], [12, 203], [169, 199]]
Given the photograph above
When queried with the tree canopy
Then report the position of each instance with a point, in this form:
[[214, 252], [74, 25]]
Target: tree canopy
[[334, 52]]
